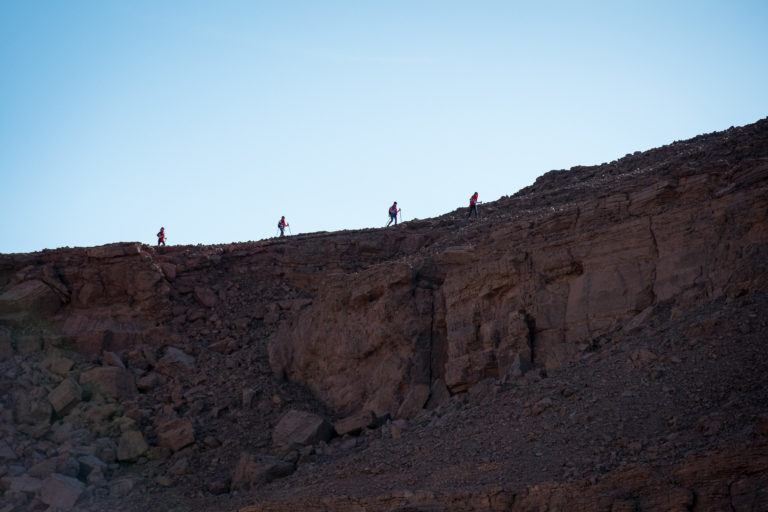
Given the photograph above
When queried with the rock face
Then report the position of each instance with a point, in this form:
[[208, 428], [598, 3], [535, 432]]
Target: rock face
[[614, 313], [546, 273]]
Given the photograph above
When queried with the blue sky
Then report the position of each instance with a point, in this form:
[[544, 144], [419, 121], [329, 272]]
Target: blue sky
[[213, 119]]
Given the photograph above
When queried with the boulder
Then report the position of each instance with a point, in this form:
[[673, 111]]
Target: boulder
[[175, 362], [397, 427], [111, 381], [254, 470], [176, 433], [639, 320], [300, 428], [96, 478], [65, 396], [61, 492], [355, 424], [91, 463], [205, 297], [43, 469], [58, 364], [149, 382], [121, 487], [24, 483], [180, 467], [131, 446]]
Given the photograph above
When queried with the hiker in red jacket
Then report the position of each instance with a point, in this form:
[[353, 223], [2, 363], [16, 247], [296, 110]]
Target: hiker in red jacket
[[161, 237], [393, 211], [281, 225], [472, 205]]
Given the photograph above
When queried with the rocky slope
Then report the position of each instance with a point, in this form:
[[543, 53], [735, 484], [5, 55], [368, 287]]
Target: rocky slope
[[595, 341]]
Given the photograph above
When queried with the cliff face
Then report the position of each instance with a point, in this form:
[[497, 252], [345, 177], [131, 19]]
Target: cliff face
[[384, 322], [561, 264]]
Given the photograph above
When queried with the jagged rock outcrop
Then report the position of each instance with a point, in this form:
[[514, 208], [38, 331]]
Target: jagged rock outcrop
[[126, 369]]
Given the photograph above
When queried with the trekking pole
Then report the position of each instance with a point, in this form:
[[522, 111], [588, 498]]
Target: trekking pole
[[400, 214], [289, 229]]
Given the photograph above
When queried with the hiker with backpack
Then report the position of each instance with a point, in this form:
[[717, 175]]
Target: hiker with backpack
[[393, 211], [472, 205], [281, 225], [161, 237]]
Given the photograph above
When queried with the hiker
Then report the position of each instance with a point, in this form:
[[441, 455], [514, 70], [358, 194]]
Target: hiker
[[472, 205], [393, 211], [161, 237], [281, 225]]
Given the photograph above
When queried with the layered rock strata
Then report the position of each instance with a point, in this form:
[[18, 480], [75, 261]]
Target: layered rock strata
[[126, 365]]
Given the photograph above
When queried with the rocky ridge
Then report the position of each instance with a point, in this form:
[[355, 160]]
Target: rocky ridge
[[595, 341]]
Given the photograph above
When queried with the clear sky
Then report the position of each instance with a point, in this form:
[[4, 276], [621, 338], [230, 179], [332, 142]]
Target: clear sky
[[214, 118]]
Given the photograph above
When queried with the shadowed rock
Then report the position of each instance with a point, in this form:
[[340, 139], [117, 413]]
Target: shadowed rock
[[300, 428]]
